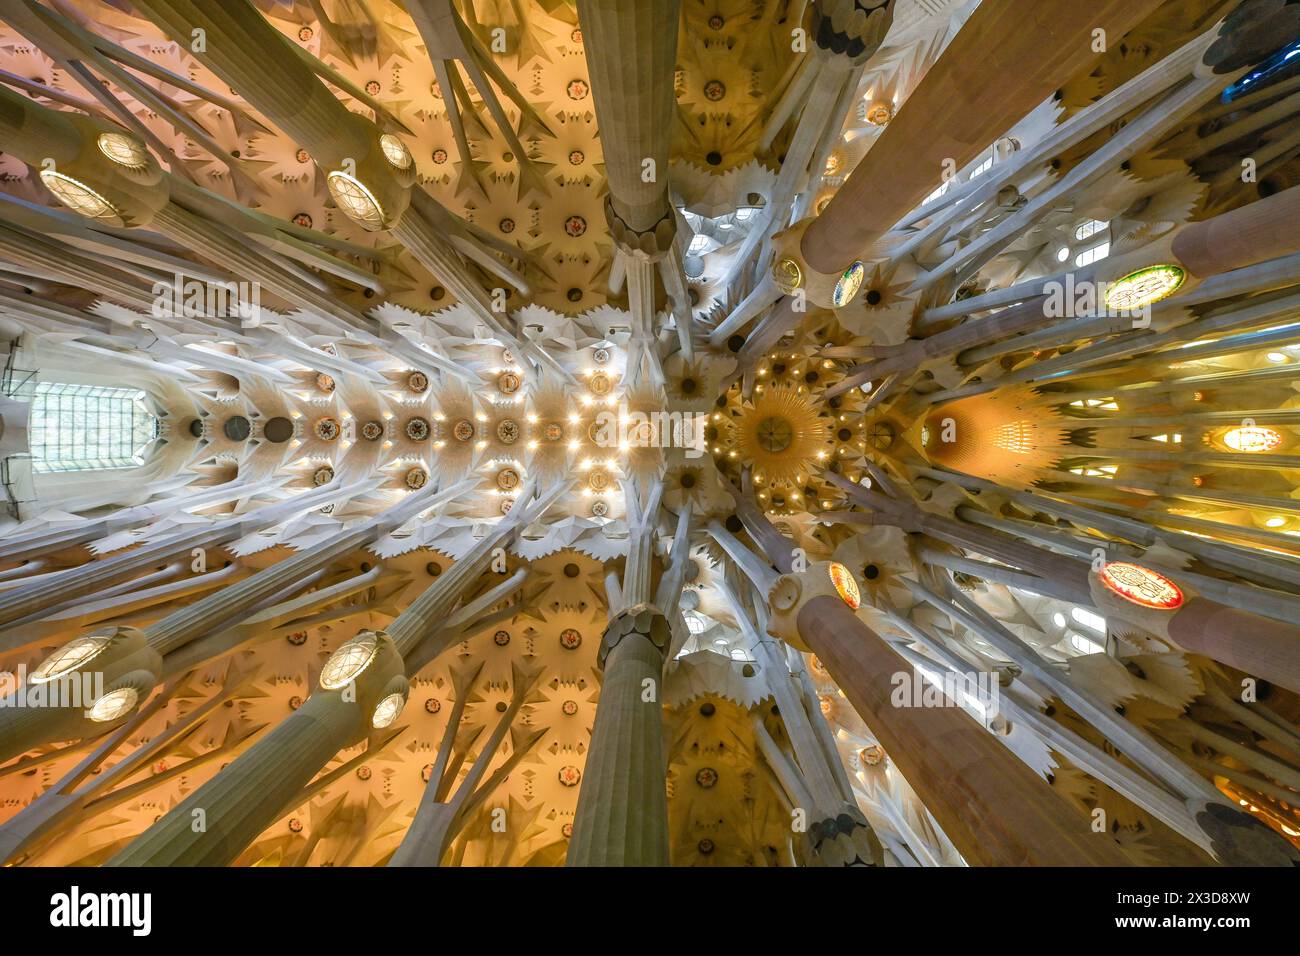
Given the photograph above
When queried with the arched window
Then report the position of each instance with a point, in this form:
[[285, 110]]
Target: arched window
[[982, 168], [1085, 645], [1092, 242], [1090, 229], [88, 427], [1088, 619]]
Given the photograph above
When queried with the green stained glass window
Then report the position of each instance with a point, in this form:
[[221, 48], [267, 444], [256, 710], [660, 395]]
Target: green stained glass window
[[88, 427]]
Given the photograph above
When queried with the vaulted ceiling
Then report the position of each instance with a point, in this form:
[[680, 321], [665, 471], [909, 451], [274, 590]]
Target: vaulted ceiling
[[502, 318]]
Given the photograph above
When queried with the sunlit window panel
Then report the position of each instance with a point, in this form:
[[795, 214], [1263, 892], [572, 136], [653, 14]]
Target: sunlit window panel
[[1094, 254], [1085, 645], [1090, 229], [1088, 619], [88, 427]]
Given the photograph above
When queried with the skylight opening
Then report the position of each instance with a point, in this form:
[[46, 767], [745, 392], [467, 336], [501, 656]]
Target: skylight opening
[[88, 428]]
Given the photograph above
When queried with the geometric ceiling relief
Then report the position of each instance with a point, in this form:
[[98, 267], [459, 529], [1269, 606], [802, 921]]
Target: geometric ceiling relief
[[730, 433]]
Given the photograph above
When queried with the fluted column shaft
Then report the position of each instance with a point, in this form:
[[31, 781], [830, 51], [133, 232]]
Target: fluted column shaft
[[1067, 576], [424, 614], [262, 64], [244, 798], [18, 547], [24, 728], [87, 578], [182, 626], [622, 816], [996, 811], [631, 57], [240, 801]]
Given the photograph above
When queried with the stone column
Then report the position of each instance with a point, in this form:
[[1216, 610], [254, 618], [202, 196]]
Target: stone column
[[1006, 60], [1261, 646], [48, 540], [622, 817], [1248, 642], [352, 150], [1253, 233], [996, 811], [1068, 576], [631, 57], [24, 728], [839, 832], [845, 34], [54, 591], [180, 627], [242, 800], [437, 821], [214, 824]]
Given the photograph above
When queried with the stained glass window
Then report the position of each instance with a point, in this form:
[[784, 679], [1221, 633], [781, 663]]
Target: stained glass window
[[88, 427]]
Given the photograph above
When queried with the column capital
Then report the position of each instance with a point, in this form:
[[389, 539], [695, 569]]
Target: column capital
[[851, 28], [846, 839], [790, 592], [641, 620], [367, 669], [653, 243], [791, 271]]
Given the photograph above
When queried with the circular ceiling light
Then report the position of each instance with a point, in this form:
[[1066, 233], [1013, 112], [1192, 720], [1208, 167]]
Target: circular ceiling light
[[123, 150], [70, 657], [114, 704], [1139, 289], [848, 285], [347, 663], [418, 429], [356, 200], [845, 586], [1141, 586], [326, 429], [387, 710], [395, 151], [78, 197], [880, 113]]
